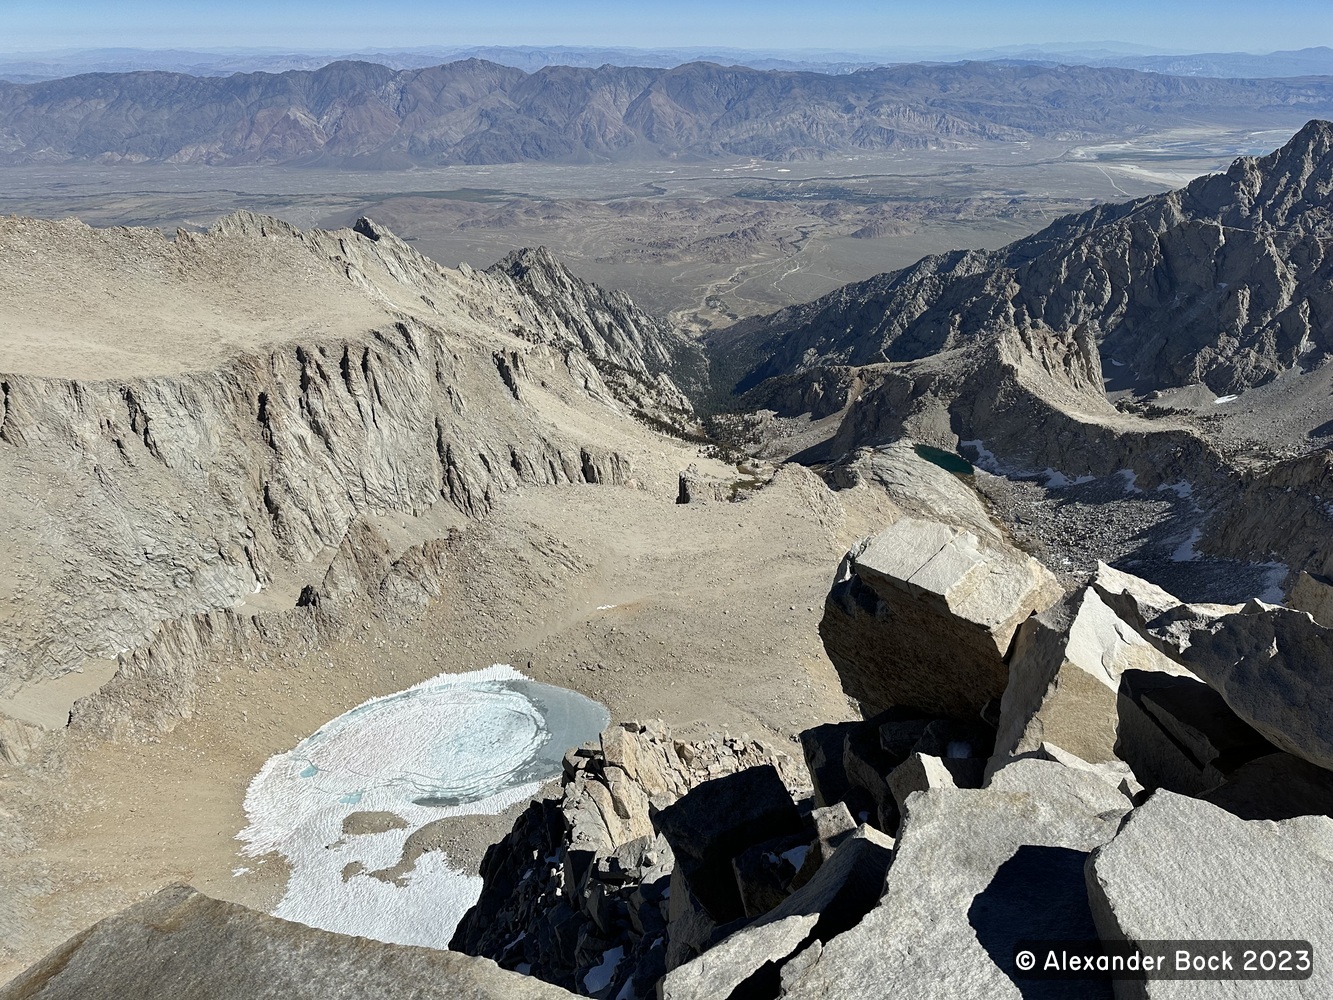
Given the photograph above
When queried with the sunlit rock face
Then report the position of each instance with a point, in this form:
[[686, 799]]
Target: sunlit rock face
[[351, 807]]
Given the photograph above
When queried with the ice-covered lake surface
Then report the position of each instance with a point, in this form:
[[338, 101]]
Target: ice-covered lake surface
[[457, 744]]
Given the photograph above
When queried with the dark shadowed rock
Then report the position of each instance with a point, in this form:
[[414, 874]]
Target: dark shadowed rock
[[718, 820], [751, 961], [764, 872], [823, 748], [1275, 786], [974, 871]]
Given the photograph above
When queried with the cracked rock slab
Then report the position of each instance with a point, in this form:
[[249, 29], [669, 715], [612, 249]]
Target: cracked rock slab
[[975, 870], [922, 615], [1181, 868]]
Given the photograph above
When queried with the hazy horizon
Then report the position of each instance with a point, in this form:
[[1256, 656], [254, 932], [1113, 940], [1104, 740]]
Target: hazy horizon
[[850, 26]]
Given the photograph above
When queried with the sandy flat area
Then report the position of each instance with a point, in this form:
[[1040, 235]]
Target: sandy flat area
[[687, 613], [153, 306]]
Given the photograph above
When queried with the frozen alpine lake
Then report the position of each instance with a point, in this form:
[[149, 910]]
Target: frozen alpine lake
[[453, 745]]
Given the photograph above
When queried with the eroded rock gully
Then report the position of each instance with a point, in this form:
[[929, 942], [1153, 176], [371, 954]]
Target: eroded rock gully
[[158, 514]]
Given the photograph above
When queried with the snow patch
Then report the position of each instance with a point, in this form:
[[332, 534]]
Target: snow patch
[[599, 976], [605, 607], [1131, 480], [1225, 399], [1276, 576], [985, 459], [453, 745], [796, 856], [1053, 478], [1118, 364], [1181, 489], [1056, 480], [1185, 551]]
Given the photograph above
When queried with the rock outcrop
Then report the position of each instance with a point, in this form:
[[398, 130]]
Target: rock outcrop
[[1198, 262], [922, 615], [584, 882], [1271, 665], [1064, 679], [697, 486], [1008, 355]]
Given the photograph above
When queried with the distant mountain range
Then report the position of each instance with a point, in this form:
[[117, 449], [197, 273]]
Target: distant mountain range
[[35, 67], [369, 116], [38, 66]]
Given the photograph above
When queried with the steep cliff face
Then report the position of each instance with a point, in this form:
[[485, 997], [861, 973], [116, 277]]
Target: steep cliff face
[[651, 367], [1224, 282], [173, 487]]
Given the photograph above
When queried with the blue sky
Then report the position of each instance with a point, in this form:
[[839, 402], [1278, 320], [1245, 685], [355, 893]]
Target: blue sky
[[861, 25]]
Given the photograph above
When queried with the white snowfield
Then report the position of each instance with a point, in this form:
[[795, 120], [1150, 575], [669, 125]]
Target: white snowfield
[[456, 744]]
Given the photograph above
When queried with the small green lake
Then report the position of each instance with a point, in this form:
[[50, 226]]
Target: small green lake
[[946, 460]]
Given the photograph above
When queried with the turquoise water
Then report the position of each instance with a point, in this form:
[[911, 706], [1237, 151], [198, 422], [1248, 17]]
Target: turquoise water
[[946, 460]]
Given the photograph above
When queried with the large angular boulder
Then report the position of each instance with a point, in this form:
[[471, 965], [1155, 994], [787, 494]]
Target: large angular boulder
[[1182, 869], [180, 943], [922, 772], [922, 615], [975, 870], [1274, 668], [699, 487], [1064, 675], [1272, 665], [1313, 594]]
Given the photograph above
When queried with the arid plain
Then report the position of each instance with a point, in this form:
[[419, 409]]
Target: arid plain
[[701, 242]]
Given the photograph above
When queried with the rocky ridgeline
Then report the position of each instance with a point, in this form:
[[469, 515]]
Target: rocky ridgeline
[[178, 498], [1212, 283], [1211, 291], [362, 116]]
